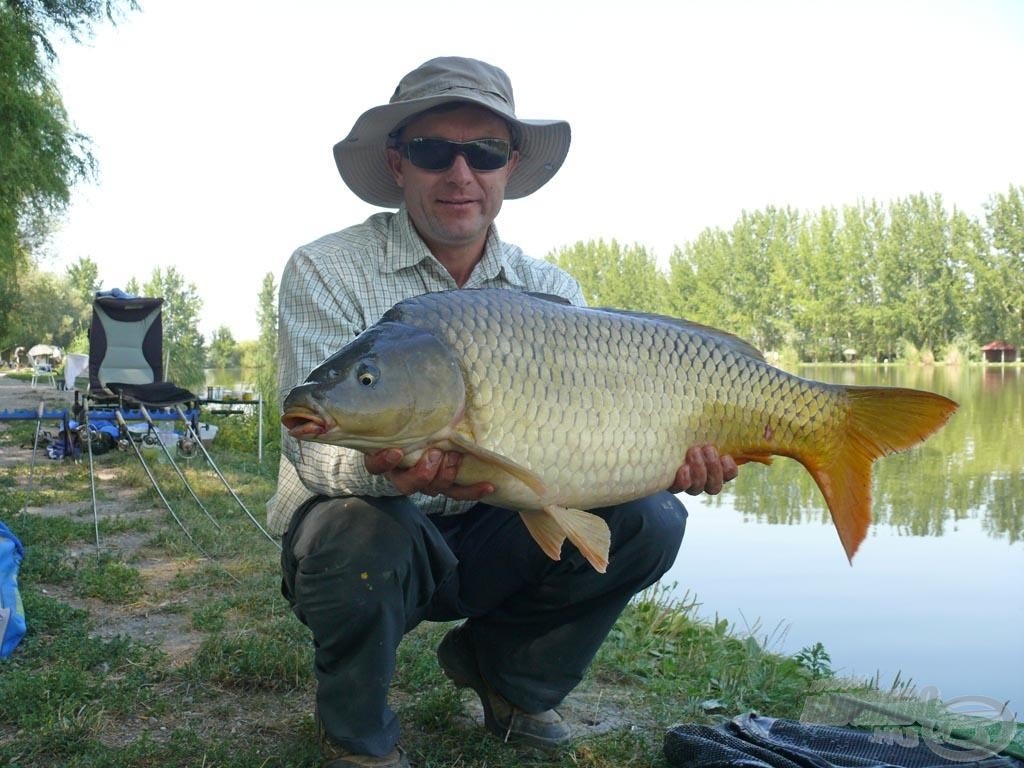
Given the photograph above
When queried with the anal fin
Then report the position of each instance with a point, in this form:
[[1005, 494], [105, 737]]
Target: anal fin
[[551, 526], [546, 532], [587, 531]]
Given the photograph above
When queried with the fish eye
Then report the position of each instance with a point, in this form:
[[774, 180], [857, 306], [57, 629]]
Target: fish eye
[[367, 374]]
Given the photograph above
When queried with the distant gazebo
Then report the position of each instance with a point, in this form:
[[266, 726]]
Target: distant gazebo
[[999, 352]]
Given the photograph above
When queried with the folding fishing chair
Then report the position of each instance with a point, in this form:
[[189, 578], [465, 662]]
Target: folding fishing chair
[[126, 375], [126, 369], [126, 353]]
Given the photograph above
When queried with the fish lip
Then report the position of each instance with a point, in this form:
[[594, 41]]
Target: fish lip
[[303, 424]]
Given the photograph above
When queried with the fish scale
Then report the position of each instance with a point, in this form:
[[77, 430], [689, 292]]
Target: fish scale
[[565, 409]]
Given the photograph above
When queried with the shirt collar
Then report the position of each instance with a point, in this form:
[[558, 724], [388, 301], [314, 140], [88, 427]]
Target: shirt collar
[[405, 249]]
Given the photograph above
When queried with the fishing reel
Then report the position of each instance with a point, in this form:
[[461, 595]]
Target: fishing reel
[[186, 446]]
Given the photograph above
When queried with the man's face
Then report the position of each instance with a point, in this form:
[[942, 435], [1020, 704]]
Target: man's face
[[454, 207]]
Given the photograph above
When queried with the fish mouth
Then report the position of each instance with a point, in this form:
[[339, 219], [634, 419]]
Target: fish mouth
[[304, 424]]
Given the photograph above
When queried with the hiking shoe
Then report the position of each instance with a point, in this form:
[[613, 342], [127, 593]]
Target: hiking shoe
[[336, 757], [546, 730]]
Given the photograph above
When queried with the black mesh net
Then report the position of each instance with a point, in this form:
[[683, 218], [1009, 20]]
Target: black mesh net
[[751, 741]]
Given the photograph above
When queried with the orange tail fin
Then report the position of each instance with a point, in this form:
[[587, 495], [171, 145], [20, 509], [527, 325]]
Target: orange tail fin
[[880, 421]]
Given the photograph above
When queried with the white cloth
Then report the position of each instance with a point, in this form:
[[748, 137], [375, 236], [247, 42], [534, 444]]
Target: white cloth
[[75, 365]]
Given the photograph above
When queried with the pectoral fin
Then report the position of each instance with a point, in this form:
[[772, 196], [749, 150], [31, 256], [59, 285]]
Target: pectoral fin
[[518, 471]]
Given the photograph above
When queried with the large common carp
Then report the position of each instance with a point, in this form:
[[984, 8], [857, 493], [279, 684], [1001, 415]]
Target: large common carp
[[565, 409]]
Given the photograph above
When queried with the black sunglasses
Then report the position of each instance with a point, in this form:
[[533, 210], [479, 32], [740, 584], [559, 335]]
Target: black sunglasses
[[439, 154]]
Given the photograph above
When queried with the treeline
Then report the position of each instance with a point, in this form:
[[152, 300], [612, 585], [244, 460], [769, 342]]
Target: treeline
[[909, 278], [56, 309]]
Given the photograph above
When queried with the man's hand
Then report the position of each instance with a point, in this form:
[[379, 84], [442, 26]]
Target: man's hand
[[704, 471], [433, 474]]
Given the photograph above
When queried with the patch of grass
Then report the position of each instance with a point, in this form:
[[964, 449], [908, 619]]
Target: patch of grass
[[19, 433], [685, 664], [270, 658], [62, 677], [108, 579]]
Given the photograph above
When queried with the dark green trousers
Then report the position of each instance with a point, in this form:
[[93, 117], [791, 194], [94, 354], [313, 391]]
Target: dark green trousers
[[361, 572]]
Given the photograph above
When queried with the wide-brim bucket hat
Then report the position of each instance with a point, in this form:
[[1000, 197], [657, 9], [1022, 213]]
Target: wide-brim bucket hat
[[360, 156]]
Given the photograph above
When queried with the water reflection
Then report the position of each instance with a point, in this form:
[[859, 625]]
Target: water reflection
[[973, 468], [932, 594]]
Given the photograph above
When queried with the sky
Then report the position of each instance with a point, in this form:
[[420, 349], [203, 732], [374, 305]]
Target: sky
[[213, 122]]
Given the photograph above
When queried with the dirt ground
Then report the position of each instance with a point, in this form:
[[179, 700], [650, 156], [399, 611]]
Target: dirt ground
[[151, 623]]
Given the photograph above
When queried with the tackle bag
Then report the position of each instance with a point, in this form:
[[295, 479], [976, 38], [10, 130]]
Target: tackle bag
[[12, 612]]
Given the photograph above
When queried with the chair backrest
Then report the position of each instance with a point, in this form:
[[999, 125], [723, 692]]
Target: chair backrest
[[125, 341]]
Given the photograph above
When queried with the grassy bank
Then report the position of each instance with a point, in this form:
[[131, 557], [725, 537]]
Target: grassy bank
[[151, 649]]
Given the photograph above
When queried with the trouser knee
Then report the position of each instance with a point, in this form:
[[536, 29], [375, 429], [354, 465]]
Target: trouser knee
[[354, 552], [648, 533]]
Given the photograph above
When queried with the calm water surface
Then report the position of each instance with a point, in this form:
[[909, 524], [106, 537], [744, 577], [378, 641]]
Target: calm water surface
[[936, 591]]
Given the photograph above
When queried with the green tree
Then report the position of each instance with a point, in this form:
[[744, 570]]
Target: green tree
[[266, 359], [969, 251], [763, 244], [41, 155], [1004, 215], [84, 279], [83, 282], [860, 233], [739, 280], [223, 351], [935, 295], [44, 314], [611, 275], [699, 275], [183, 344]]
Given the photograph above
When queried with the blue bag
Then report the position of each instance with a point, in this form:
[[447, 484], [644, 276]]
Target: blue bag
[[12, 612]]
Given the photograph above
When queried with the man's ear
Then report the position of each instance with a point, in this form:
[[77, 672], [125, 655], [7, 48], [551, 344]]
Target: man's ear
[[394, 161]]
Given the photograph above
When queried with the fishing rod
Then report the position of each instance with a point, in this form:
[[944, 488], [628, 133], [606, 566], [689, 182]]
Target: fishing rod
[[156, 486], [35, 447], [167, 453], [227, 485], [92, 472]]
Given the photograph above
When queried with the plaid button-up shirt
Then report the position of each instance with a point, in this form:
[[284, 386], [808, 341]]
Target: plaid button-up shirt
[[337, 287]]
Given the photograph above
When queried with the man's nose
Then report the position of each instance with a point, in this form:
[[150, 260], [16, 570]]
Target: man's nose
[[460, 169]]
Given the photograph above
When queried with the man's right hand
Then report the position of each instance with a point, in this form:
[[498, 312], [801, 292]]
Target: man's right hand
[[433, 474]]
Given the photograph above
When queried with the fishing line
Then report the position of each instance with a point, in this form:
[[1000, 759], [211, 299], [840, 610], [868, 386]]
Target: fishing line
[[167, 453], [160, 493], [227, 485]]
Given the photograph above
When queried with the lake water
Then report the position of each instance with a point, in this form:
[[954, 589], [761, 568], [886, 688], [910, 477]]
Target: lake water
[[935, 593]]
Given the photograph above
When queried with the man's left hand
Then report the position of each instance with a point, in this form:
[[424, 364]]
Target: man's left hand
[[704, 471]]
